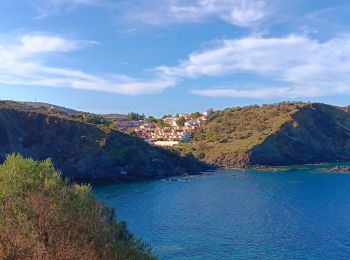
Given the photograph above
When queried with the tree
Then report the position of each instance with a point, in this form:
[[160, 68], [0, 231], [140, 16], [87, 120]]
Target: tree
[[91, 119], [152, 119], [132, 132], [135, 116], [161, 123], [195, 115], [181, 121], [165, 116]]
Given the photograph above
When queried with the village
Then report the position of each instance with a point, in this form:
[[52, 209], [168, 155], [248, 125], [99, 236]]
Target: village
[[167, 131]]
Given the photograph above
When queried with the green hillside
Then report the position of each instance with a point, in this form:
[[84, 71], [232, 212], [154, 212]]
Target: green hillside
[[237, 137], [43, 216]]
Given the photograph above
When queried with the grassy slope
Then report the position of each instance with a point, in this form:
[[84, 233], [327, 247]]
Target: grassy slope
[[228, 138]]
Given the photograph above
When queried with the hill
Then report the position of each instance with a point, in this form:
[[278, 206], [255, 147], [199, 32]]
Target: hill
[[280, 134], [39, 107], [43, 216], [86, 152]]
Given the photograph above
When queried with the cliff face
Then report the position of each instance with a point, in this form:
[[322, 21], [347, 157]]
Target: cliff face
[[283, 134], [317, 133], [85, 152]]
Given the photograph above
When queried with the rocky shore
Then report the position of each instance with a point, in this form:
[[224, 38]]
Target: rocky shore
[[340, 169]]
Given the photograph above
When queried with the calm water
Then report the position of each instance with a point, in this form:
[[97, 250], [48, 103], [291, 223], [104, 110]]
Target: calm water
[[302, 214]]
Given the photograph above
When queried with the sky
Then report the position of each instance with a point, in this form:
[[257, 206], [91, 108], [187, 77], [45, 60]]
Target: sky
[[169, 56]]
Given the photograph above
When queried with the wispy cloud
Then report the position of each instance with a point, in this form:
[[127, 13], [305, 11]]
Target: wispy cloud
[[23, 62], [297, 66], [243, 13], [300, 66], [49, 7]]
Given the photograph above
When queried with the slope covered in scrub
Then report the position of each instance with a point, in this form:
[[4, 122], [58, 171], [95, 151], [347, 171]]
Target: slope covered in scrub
[[317, 133], [43, 216], [86, 152], [279, 134]]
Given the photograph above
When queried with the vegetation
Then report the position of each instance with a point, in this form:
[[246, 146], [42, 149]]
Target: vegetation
[[181, 121], [231, 133], [86, 152], [132, 132], [161, 123], [135, 116], [165, 116], [91, 119], [195, 115], [152, 119], [43, 216]]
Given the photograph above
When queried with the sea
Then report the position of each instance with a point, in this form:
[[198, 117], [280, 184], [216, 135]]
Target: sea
[[301, 213]]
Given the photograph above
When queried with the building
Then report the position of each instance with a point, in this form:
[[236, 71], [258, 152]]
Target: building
[[166, 143], [208, 112], [186, 116], [127, 125], [193, 122], [115, 117]]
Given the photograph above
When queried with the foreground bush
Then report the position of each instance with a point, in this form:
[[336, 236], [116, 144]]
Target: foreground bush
[[43, 216]]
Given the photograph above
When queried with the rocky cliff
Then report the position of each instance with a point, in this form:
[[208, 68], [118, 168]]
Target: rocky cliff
[[86, 152], [280, 134]]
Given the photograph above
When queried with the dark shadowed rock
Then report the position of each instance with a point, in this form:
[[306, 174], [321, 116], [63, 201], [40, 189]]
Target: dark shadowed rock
[[85, 152]]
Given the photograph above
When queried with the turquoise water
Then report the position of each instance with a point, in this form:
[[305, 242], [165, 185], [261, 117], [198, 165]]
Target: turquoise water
[[301, 214]]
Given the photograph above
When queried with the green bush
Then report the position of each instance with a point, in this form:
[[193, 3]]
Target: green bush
[[43, 216], [213, 138], [195, 115], [181, 121]]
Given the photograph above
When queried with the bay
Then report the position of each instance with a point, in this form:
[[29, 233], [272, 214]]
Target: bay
[[231, 214]]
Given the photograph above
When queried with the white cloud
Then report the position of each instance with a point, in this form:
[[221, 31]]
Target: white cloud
[[21, 63], [299, 65], [243, 13], [32, 44]]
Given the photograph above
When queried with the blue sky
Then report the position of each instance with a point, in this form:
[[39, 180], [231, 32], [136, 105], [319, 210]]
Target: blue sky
[[168, 56]]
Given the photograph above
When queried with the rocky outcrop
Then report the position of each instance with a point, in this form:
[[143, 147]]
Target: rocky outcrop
[[341, 169], [85, 152]]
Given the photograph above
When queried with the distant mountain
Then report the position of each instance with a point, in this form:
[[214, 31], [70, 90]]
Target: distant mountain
[[68, 111], [85, 152], [50, 108], [281, 134], [38, 107]]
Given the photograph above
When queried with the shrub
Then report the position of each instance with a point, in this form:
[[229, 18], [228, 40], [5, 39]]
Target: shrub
[[195, 115], [181, 121], [213, 138], [43, 216]]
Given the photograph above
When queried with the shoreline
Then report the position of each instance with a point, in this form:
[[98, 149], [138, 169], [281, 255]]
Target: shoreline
[[212, 168]]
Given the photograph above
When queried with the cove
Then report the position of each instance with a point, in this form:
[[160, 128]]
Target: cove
[[230, 214]]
